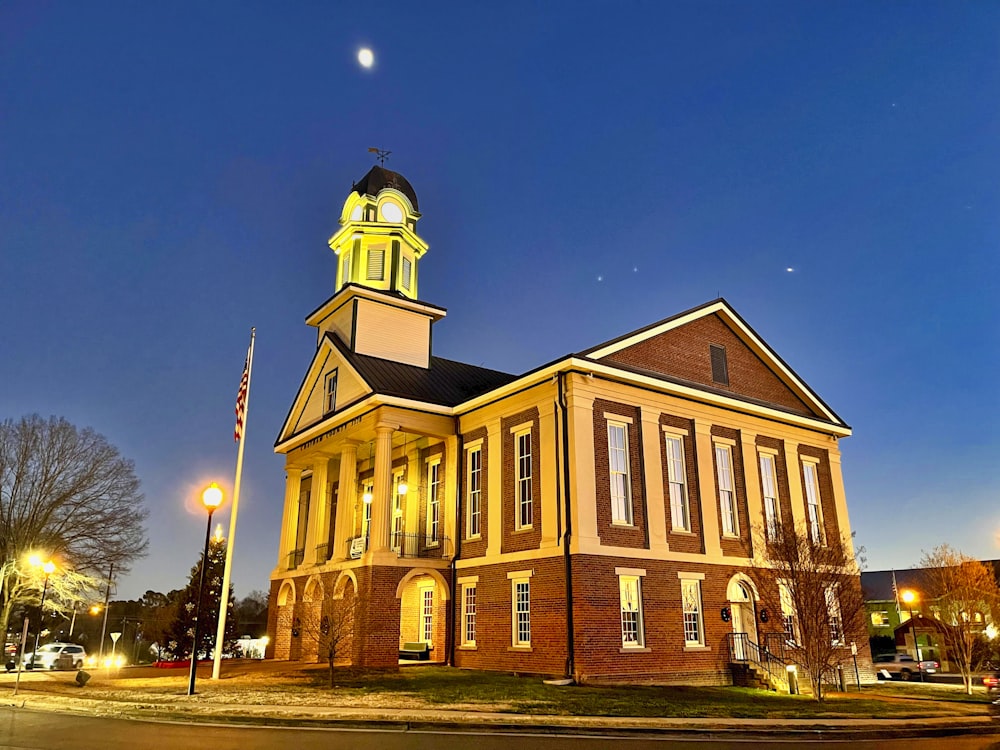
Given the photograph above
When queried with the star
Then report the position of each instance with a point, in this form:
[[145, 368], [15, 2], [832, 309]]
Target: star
[[600, 278], [790, 270]]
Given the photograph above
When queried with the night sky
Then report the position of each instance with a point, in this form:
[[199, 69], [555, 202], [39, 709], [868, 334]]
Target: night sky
[[170, 173]]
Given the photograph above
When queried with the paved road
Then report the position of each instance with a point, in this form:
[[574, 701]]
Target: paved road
[[22, 729]]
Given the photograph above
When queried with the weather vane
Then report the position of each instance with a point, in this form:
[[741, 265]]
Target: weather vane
[[381, 154]]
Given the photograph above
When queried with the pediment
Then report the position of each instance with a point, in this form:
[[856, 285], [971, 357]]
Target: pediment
[[309, 407], [681, 348]]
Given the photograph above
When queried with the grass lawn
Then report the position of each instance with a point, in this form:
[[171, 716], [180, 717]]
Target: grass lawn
[[448, 688]]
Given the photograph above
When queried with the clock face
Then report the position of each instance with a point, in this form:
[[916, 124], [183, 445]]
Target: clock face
[[391, 212], [356, 214]]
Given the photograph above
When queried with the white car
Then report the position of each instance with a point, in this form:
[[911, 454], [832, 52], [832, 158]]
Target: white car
[[56, 656]]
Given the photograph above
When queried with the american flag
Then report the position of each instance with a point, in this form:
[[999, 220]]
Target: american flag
[[241, 401]]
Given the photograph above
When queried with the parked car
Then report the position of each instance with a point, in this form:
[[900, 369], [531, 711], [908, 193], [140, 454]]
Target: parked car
[[56, 656], [903, 666]]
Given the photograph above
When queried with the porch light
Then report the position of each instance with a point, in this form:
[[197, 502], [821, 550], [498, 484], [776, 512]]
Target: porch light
[[402, 488], [367, 497]]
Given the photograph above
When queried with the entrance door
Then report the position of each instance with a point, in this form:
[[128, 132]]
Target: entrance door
[[744, 621]]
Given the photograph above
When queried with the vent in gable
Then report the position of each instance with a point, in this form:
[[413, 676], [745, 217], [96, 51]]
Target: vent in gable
[[720, 369]]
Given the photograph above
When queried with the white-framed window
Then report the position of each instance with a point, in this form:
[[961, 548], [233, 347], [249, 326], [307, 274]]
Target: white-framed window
[[630, 596], [680, 510], [433, 501], [814, 509], [474, 467], [618, 468], [345, 269], [397, 511], [833, 611], [788, 619], [367, 491], [769, 487], [727, 490], [330, 400], [880, 619], [521, 596], [469, 614], [694, 625], [427, 615], [407, 270], [522, 456], [376, 264]]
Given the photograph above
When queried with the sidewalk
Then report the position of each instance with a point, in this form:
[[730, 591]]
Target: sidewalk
[[193, 709]]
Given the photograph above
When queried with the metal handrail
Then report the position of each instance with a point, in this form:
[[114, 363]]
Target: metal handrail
[[744, 651]]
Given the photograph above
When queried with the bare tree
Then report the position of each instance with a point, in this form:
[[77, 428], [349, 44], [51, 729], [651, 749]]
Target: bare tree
[[816, 588], [68, 494], [965, 592], [331, 628]]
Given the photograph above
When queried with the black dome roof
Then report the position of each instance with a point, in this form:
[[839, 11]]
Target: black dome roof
[[379, 178]]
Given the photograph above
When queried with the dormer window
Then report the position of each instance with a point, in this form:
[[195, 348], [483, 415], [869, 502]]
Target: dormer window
[[330, 399]]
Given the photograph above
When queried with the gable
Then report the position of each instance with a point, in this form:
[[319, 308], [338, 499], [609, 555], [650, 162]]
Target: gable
[[685, 352], [309, 406]]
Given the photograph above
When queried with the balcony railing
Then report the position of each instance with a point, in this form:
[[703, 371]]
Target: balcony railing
[[405, 545], [322, 553], [295, 558]]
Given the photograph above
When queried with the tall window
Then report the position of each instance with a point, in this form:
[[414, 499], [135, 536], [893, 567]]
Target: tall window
[[621, 502], [433, 502], [525, 509], [812, 503], [330, 402], [376, 265], [427, 615], [302, 527], [769, 484], [407, 270], [522, 611], [630, 595], [367, 491], [397, 511], [475, 485], [836, 623], [727, 492], [680, 512], [469, 615], [788, 615], [694, 632]]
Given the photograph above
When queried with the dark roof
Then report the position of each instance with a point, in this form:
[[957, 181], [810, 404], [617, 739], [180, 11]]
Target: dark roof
[[445, 382], [379, 178], [877, 584]]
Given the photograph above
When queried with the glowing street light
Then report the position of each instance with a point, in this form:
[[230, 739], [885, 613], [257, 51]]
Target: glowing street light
[[211, 498], [909, 597], [48, 567]]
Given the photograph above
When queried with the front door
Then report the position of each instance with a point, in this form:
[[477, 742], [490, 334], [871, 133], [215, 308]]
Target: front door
[[744, 622]]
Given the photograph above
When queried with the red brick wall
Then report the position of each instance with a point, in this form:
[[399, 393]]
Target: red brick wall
[[684, 353], [513, 539], [693, 542], [474, 547], [740, 547], [619, 535]]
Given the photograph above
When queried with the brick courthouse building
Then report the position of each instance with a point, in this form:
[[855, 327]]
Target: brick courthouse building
[[593, 517]]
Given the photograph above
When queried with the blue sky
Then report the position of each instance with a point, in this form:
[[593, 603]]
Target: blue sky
[[171, 172]]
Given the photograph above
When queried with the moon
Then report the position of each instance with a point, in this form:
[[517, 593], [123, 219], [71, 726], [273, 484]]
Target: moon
[[366, 57]]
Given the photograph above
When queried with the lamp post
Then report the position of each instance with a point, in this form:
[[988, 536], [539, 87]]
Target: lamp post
[[211, 498], [909, 597], [48, 567]]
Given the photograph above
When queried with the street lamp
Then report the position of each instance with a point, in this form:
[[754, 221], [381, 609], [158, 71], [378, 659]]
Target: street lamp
[[48, 567], [211, 498], [909, 597]]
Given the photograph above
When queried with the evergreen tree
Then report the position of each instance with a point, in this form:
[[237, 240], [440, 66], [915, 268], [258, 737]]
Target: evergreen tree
[[181, 631]]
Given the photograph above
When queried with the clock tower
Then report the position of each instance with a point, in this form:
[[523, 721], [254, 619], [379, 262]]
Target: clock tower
[[375, 310]]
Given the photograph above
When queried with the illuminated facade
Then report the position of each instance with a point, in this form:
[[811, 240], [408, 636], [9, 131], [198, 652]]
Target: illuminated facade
[[591, 518]]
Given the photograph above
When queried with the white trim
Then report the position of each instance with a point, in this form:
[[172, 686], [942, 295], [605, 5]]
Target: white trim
[[473, 444], [639, 572], [677, 431], [723, 441], [467, 579], [612, 417], [693, 576], [520, 574], [523, 427], [768, 451]]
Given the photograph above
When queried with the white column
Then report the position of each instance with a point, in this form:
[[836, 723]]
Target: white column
[[319, 510], [289, 521], [751, 476], [840, 500], [451, 465], [583, 493], [707, 495], [347, 493], [795, 491], [550, 479], [381, 508], [652, 479], [494, 483]]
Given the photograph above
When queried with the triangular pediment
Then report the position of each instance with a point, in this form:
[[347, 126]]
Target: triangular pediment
[[681, 348], [309, 407]]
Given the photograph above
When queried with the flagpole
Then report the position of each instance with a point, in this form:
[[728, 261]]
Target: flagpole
[[220, 633]]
